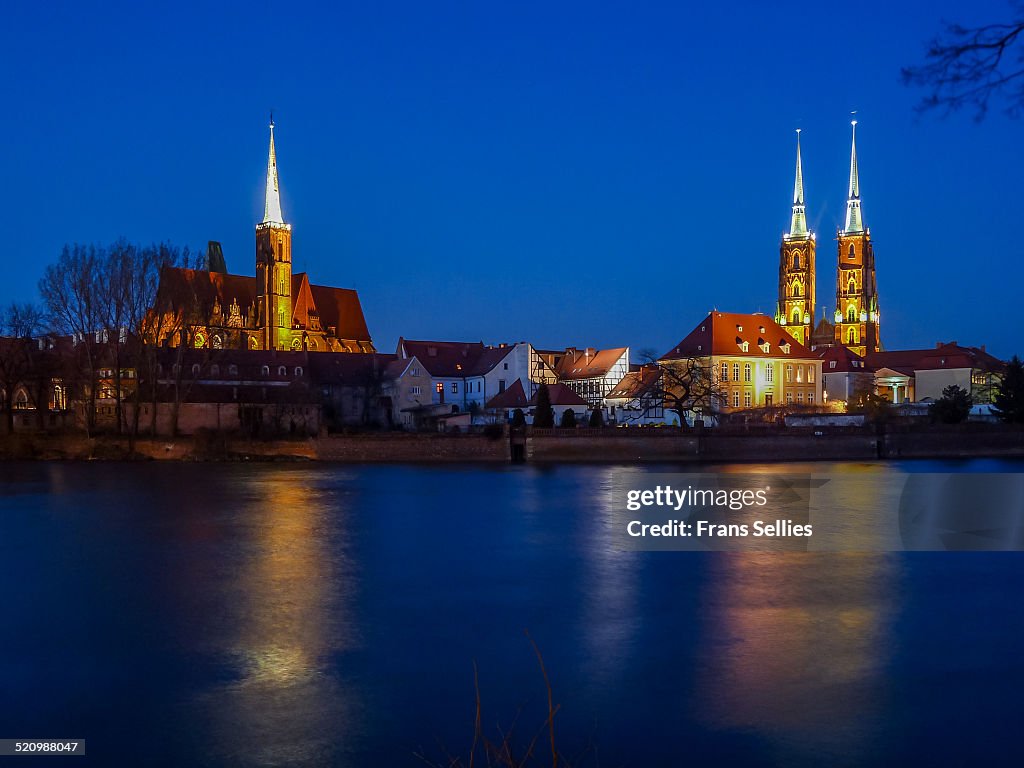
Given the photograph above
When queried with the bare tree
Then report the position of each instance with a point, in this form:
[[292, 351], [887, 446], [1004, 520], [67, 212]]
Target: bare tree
[[969, 66], [687, 386], [19, 323], [73, 305]]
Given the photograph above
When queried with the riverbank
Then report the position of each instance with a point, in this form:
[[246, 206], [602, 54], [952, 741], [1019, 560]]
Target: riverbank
[[545, 446]]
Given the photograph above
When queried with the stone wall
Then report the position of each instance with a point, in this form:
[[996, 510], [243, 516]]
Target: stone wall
[[399, 447]]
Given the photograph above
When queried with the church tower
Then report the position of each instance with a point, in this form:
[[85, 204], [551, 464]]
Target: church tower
[[274, 264], [795, 309], [857, 318]]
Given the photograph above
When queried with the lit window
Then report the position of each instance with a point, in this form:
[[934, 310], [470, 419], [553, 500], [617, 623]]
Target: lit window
[[800, 374], [725, 371], [810, 374], [769, 373], [440, 388], [735, 371], [789, 373], [746, 399], [800, 397], [789, 397], [736, 399], [746, 372]]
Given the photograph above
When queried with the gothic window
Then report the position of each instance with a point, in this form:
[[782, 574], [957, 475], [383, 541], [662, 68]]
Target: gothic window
[[796, 290], [195, 369], [298, 371], [852, 253], [265, 370], [218, 341], [796, 317], [851, 315], [851, 288], [282, 371], [852, 338], [796, 260]]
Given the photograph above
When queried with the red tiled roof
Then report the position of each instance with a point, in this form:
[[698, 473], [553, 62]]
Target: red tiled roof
[[723, 333], [513, 397], [942, 356], [587, 363], [560, 394], [636, 383], [340, 308], [843, 358], [444, 358]]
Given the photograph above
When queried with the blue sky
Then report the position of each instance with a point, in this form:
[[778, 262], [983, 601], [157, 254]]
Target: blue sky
[[587, 174]]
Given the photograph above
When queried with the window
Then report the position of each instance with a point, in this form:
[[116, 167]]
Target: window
[[501, 385], [195, 369], [831, 363], [800, 397], [852, 338], [298, 371], [265, 370], [282, 371], [735, 371], [440, 388], [796, 290], [789, 374], [745, 346], [455, 387], [800, 374], [218, 341], [851, 315], [414, 390], [746, 372], [769, 373], [725, 371], [810, 374], [414, 372], [506, 366], [789, 398], [736, 398], [746, 398], [851, 254], [851, 288], [796, 317], [796, 260], [810, 398]]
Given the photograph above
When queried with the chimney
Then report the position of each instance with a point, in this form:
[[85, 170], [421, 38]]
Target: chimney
[[591, 352]]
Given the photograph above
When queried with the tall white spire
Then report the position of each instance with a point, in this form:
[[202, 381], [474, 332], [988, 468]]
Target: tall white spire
[[854, 222], [798, 223], [272, 209]]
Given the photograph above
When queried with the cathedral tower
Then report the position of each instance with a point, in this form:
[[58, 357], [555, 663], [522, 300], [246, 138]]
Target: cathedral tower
[[795, 308], [274, 264], [857, 319]]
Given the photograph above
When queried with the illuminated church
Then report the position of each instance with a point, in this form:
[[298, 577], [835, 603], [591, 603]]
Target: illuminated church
[[278, 309], [856, 317]]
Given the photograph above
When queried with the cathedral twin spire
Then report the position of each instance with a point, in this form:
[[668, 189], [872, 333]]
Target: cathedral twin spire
[[854, 221]]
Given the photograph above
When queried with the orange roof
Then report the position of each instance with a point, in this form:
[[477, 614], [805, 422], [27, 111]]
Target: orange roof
[[587, 363], [513, 397], [636, 383], [724, 333], [942, 356], [560, 394], [845, 360]]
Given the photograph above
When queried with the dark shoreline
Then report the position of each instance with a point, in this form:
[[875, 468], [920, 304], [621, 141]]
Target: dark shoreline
[[606, 446]]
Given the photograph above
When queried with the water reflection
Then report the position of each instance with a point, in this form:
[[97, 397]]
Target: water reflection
[[291, 588], [796, 647]]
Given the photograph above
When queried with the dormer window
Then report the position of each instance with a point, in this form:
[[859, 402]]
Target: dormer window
[[739, 328], [832, 363], [745, 346]]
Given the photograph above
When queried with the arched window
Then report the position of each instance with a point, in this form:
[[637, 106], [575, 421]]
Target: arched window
[[851, 315], [298, 371], [851, 288], [265, 370], [852, 253], [852, 338], [796, 290], [195, 369], [796, 317], [796, 260], [282, 371], [218, 341]]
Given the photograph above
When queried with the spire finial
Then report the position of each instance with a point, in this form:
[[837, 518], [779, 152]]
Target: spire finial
[[854, 221], [272, 208], [798, 221]]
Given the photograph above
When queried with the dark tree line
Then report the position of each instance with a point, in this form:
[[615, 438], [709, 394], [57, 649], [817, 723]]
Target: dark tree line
[[99, 309]]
